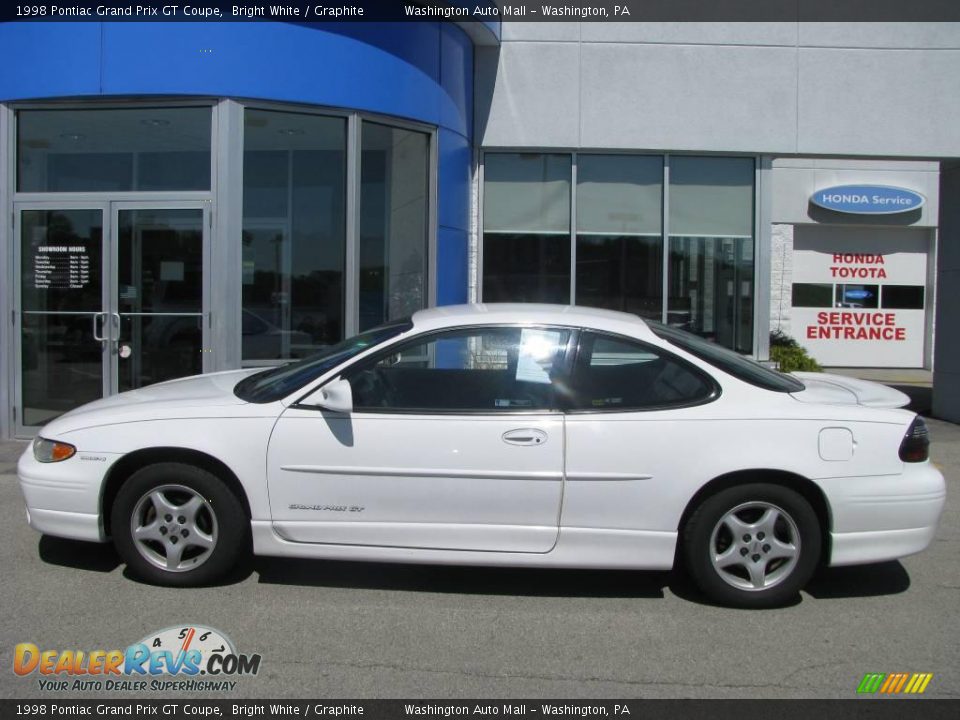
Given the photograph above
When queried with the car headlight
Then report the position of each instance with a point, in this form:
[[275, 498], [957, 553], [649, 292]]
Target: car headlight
[[49, 451]]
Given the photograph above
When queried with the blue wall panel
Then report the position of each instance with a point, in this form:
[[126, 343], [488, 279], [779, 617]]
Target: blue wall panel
[[451, 266], [453, 189], [456, 78], [416, 71], [389, 71], [49, 59]]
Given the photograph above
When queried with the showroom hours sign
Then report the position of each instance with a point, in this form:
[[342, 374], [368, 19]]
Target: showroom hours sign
[[61, 267]]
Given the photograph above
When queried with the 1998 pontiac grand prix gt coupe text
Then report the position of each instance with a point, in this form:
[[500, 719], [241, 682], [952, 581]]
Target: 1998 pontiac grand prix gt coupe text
[[522, 435]]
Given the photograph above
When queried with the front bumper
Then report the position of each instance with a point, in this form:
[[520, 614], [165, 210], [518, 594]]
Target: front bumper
[[63, 499], [875, 519]]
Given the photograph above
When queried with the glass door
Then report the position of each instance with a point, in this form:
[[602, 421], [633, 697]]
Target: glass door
[[61, 314], [157, 302], [110, 297]]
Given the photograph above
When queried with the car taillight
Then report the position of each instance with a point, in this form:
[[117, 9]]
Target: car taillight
[[916, 443]]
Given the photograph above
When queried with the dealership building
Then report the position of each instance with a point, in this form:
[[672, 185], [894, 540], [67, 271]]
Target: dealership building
[[194, 197]]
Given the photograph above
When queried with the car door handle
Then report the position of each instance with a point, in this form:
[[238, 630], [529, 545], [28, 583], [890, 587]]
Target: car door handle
[[525, 436]]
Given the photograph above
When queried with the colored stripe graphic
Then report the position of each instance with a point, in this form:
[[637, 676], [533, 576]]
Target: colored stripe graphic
[[871, 682], [894, 683]]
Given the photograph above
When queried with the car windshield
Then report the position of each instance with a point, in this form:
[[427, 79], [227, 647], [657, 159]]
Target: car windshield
[[275, 383], [730, 362]]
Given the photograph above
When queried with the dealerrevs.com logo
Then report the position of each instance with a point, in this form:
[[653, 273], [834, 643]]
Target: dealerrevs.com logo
[[182, 658]]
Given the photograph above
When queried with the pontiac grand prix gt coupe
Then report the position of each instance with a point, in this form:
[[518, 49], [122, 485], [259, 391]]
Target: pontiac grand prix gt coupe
[[515, 435]]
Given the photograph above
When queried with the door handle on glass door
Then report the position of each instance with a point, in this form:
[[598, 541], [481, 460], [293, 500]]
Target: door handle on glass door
[[98, 316], [525, 436], [115, 330]]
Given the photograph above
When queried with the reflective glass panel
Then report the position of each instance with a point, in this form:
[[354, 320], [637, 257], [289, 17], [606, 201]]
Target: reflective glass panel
[[619, 242], [394, 205], [526, 241], [61, 260], [159, 295], [903, 297], [160, 261], [61, 365], [117, 149], [711, 270], [526, 192], [526, 268], [155, 348], [858, 296], [294, 233], [812, 295], [61, 299]]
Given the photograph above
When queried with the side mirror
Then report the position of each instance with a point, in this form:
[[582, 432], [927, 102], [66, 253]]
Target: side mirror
[[335, 396]]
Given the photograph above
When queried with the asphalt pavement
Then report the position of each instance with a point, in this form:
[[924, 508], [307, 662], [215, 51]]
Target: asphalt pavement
[[348, 630]]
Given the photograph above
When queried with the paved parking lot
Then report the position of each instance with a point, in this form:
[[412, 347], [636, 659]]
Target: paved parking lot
[[348, 630]]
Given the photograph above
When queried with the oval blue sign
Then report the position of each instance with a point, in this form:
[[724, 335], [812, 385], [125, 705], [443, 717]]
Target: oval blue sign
[[857, 294], [868, 199]]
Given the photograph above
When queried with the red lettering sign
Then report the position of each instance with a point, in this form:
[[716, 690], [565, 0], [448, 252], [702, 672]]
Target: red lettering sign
[[857, 272], [848, 325]]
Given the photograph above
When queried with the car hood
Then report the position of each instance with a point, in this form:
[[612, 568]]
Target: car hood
[[841, 390], [163, 400]]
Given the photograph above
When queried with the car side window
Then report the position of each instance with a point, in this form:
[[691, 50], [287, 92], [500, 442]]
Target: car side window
[[488, 369], [618, 374]]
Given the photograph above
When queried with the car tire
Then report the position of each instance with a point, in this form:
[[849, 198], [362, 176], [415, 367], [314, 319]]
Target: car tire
[[752, 546], [178, 525]]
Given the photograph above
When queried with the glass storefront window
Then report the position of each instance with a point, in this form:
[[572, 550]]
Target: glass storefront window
[[619, 252], [294, 237], [526, 228], [394, 204], [711, 270], [619, 225], [903, 297], [812, 295], [130, 279], [113, 150], [858, 296]]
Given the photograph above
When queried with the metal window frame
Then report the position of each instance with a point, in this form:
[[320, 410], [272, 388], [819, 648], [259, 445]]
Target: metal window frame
[[354, 129], [118, 104], [762, 212], [109, 211], [18, 429], [762, 261], [354, 209], [8, 417], [224, 217]]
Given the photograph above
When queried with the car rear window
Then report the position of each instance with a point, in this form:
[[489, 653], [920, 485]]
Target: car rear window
[[732, 363]]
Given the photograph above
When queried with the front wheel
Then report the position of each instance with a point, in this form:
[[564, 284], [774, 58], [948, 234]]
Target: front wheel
[[752, 546], [179, 525]]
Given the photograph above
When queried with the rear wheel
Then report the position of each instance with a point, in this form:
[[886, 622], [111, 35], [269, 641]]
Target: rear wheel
[[179, 525], [753, 545]]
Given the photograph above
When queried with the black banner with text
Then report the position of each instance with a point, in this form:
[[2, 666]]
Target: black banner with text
[[175, 708], [491, 11]]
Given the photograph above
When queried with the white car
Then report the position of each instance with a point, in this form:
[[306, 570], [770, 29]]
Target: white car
[[519, 435]]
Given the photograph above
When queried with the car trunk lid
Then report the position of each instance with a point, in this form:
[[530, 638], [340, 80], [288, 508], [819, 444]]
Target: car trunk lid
[[842, 390]]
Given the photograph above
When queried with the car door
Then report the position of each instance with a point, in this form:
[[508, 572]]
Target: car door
[[636, 419], [454, 442]]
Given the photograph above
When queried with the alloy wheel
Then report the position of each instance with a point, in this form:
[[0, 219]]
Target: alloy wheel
[[174, 528], [755, 546]]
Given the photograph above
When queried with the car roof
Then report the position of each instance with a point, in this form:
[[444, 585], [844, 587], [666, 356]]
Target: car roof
[[532, 313]]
